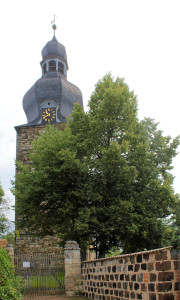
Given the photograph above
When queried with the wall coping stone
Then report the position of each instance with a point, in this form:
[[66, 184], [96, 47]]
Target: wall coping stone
[[129, 254], [71, 245]]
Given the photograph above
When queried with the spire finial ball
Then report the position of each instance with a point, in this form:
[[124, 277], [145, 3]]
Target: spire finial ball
[[54, 27]]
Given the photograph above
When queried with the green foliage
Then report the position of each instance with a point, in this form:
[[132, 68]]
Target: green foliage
[[59, 185], [4, 222], [1, 194], [174, 227], [114, 251], [41, 282], [105, 178], [10, 237], [10, 286]]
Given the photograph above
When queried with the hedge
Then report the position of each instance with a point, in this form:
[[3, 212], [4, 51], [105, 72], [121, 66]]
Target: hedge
[[10, 286]]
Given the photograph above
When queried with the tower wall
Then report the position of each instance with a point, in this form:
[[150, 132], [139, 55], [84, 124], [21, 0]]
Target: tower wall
[[24, 241], [25, 136]]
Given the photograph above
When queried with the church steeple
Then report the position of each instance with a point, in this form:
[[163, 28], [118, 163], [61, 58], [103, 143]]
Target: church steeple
[[52, 93], [54, 58]]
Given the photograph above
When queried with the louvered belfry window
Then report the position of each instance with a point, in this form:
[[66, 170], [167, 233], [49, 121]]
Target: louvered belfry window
[[52, 66], [44, 68], [60, 67]]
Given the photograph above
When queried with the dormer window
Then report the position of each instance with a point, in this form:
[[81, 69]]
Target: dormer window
[[52, 66]]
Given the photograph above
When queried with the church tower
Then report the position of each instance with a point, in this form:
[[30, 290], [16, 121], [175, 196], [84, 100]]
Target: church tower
[[49, 101]]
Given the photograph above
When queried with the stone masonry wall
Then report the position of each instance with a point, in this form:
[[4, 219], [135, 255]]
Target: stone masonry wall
[[150, 275], [25, 136], [25, 242]]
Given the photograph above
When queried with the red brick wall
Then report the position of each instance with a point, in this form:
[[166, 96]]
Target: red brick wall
[[150, 275]]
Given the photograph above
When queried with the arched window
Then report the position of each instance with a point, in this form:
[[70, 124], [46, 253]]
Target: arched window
[[44, 69], [52, 66], [60, 67]]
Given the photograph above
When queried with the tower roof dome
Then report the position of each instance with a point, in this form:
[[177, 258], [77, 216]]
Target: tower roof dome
[[52, 93], [54, 49]]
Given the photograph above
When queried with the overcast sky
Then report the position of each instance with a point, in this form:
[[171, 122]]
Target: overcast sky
[[138, 40]]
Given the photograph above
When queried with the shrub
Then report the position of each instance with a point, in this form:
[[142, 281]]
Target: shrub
[[10, 286]]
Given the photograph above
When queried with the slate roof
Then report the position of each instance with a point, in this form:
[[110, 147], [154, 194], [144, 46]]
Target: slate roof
[[51, 86], [54, 48], [63, 93]]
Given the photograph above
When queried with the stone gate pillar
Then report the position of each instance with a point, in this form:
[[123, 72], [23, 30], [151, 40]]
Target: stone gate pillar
[[10, 250], [73, 282]]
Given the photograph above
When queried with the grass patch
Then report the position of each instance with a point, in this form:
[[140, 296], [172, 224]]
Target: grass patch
[[79, 298], [44, 281]]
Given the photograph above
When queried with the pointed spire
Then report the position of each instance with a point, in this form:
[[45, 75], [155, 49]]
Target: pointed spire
[[54, 27]]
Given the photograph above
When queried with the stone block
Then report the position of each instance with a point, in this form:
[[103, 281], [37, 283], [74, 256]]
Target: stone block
[[166, 297], [125, 285], [152, 297], [177, 286], [143, 266], [132, 259], [153, 277], [126, 294], [114, 269], [127, 276], [164, 266], [165, 276], [175, 255], [133, 277], [130, 268], [136, 267], [176, 264], [140, 277], [162, 255], [139, 258], [131, 285], [136, 286], [143, 287], [146, 256], [164, 287]]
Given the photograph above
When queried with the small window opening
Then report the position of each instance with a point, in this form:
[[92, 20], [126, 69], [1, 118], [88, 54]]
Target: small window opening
[[60, 67], [52, 66], [44, 69]]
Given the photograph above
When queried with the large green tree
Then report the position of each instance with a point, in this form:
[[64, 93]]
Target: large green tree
[[174, 226], [105, 178]]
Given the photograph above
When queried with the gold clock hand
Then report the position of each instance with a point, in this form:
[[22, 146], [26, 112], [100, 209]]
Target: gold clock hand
[[44, 117]]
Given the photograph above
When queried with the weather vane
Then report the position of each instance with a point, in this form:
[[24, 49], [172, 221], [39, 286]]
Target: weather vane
[[54, 27]]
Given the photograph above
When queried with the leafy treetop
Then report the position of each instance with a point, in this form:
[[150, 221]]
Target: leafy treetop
[[105, 179]]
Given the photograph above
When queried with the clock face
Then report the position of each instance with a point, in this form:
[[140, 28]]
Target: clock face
[[49, 115]]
